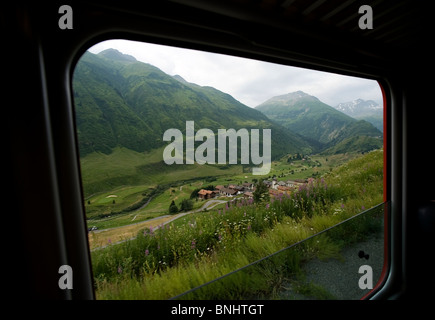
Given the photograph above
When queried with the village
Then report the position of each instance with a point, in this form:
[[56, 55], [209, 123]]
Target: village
[[275, 188]]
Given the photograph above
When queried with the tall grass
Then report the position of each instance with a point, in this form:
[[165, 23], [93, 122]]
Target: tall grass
[[174, 258]]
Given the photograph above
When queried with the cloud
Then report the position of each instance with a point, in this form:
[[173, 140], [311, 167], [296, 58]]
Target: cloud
[[250, 81]]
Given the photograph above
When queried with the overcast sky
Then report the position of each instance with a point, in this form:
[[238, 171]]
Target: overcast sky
[[251, 82]]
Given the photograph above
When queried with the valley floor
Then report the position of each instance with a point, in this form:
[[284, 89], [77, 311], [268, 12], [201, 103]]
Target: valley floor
[[162, 263], [104, 237]]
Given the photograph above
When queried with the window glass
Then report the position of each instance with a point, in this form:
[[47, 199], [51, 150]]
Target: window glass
[[197, 166]]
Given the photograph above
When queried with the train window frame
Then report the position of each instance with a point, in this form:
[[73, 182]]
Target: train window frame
[[383, 85], [55, 53]]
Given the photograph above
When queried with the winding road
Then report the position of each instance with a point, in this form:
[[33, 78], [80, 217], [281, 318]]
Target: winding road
[[157, 222]]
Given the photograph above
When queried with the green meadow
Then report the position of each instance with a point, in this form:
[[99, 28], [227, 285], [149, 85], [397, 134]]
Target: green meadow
[[125, 187], [123, 167]]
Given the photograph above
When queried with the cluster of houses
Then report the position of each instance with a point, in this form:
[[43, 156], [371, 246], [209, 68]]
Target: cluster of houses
[[229, 191], [283, 187], [247, 189]]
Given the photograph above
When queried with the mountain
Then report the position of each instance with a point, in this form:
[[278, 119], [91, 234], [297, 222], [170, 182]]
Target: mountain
[[318, 122], [115, 55], [121, 102], [361, 109]]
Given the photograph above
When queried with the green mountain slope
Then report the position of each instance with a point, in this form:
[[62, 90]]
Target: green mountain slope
[[121, 102], [321, 124], [103, 117]]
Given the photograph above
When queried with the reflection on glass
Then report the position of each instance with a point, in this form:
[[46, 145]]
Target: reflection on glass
[[324, 266]]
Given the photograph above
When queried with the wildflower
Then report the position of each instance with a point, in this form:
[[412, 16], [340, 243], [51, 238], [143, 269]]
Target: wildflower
[[363, 208], [109, 241], [342, 206], [119, 269], [151, 231], [249, 227], [147, 252], [267, 206], [244, 214], [193, 244]]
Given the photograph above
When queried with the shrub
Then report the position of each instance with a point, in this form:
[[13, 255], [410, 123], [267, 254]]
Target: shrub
[[173, 209]]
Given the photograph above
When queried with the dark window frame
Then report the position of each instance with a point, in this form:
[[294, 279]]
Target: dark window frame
[[54, 55]]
